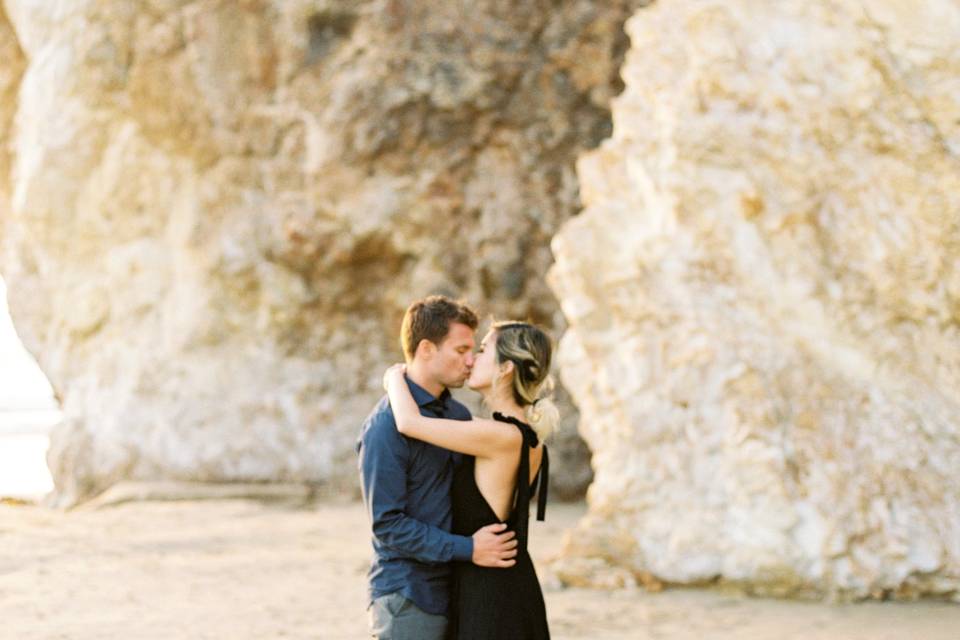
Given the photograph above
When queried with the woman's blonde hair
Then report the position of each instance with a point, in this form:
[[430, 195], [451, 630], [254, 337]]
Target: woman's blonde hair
[[531, 351]]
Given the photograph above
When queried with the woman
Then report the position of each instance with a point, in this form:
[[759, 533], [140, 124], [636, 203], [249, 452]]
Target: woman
[[505, 460]]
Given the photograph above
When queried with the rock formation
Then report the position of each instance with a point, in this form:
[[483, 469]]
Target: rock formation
[[214, 213], [764, 301], [11, 69]]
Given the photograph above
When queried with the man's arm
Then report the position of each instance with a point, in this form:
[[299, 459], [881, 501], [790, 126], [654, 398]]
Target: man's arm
[[383, 456]]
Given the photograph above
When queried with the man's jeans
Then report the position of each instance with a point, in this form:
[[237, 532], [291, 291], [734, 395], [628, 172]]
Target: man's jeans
[[393, 617]]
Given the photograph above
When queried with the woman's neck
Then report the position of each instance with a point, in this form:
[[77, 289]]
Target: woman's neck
[[505, 405]]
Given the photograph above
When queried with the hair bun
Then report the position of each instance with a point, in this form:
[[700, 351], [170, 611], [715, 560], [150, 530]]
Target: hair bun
[[543, 416]]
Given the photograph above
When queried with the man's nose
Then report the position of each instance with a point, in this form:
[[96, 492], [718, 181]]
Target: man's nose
[[470, 360]]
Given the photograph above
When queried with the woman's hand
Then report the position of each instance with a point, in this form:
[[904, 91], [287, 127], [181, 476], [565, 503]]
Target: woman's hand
[[395, 371]]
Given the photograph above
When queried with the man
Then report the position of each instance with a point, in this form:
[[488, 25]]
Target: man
[[406, 483]]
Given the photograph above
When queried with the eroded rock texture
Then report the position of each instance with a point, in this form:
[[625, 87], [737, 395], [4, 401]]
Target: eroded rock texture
[[215, 212], [764, 302]]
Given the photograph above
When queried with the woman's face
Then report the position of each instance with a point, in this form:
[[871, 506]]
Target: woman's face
[[484, 364]]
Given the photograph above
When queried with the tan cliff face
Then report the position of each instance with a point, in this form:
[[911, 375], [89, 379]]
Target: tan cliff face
[[214, 213], [10, 72], [764, 301]]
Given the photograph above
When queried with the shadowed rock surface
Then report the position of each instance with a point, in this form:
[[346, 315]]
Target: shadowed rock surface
[[214, 213]]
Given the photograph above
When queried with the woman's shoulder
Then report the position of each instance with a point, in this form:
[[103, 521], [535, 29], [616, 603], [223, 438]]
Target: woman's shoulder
[[507, 434]]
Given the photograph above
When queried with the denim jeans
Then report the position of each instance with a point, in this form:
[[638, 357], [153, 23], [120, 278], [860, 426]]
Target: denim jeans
[[393, 617]]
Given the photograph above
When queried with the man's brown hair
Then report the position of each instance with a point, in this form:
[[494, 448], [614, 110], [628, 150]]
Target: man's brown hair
[[430, 319]]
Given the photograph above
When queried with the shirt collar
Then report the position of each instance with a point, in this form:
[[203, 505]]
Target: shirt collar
[[423, 397]]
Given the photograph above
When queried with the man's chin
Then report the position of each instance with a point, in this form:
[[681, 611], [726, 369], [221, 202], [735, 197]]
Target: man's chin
[[456, 384]]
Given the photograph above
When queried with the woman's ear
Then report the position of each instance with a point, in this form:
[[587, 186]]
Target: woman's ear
[[507, 367]]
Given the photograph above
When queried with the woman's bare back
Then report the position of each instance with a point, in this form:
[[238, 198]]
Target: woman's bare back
[[496, 477]]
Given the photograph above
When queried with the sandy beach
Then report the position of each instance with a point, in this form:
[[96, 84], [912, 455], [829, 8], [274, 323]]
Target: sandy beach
[[251, 569]]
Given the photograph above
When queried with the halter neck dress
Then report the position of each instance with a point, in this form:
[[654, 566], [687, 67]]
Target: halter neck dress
[[499, 604]]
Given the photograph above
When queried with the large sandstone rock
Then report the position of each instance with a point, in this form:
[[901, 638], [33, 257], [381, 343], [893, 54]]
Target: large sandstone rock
[[764, 302], [215, 212], [11, 69]]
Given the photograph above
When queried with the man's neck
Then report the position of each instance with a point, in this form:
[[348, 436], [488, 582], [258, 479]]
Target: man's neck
[[416, 374]]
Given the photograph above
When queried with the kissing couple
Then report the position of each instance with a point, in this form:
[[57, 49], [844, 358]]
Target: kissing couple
[[448, 494]]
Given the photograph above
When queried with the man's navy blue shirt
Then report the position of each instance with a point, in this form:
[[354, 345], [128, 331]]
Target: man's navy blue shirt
[[406, 489]]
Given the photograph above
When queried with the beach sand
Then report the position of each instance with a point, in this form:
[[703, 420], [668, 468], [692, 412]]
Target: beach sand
[[246, 569]]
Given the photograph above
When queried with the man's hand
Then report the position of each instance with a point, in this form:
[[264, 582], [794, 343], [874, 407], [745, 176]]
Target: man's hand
[[493, 546]]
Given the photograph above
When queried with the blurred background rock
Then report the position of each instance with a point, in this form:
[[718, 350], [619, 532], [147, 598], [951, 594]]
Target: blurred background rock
[[214, 214]]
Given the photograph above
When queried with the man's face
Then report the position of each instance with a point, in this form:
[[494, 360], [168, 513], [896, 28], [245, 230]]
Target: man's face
[[453, 359]]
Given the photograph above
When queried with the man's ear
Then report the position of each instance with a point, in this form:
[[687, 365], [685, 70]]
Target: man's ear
[[425, 349]]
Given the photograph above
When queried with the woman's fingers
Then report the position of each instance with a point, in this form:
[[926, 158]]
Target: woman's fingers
[[393, 370]]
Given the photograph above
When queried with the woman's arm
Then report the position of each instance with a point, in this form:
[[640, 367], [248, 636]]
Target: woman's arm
[[481, 438]]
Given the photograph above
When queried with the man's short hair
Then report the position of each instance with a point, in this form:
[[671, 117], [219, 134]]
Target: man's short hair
[[430, 319]]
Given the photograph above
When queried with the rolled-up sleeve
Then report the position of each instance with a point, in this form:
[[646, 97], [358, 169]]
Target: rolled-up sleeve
[[383, 461]]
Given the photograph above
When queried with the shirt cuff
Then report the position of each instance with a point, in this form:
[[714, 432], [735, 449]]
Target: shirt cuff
[[462, 549]]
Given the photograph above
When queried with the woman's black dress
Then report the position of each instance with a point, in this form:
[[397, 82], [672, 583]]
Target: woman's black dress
[[499, 604]]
